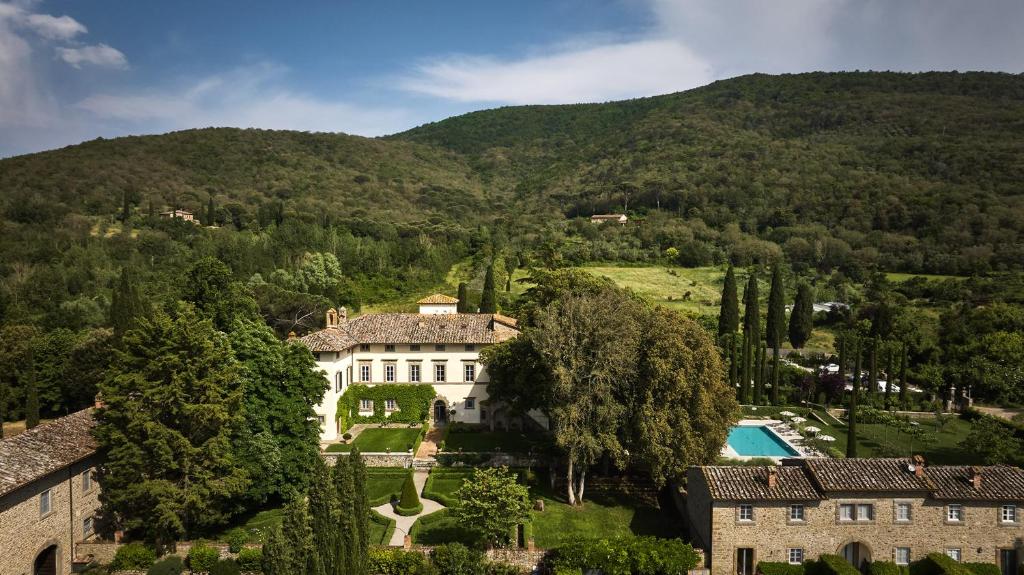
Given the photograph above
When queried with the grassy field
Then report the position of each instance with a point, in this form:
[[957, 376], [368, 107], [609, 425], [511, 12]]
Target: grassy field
[[901, 277], [938, 446], [669, 286], [507, 441], [376, 440]]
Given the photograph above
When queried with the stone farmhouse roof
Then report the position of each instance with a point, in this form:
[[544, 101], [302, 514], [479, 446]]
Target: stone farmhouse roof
[[815, 479], [740, 483], [413, 328], [42, 450], [996, 483], [438, 299]]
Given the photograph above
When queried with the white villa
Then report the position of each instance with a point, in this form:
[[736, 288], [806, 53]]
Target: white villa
[[438, 346]]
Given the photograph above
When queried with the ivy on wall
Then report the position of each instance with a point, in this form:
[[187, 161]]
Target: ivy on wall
[[413, 403]]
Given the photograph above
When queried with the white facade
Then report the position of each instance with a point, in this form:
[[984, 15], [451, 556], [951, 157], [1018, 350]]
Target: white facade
[[374, 364]]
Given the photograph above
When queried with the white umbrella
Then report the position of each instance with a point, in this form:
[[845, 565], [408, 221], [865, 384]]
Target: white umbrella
[[827, 438], [786, 413], [798, 419], [812, 429]]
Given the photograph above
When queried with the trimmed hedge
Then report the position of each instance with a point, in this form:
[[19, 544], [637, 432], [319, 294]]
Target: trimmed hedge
[[887, 568], [389, 527], [133, 557], [251, 559], [429, 519], [636, 555], [983, 568], [413, 403], [386, 473], [202, 557], [410, 502], [830, 565], [779, 568], [938, 564]]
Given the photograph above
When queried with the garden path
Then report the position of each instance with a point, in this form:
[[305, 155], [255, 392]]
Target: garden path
[[404, 523], [428, 447]]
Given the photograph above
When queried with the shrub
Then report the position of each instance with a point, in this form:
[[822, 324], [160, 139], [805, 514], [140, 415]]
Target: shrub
[[495, 568], [133, 557], [226, 567], [938, 564], [250, 559], [457, 559], [409, 504], [983, 568], [347, 436], [830, 565], [236, 539], [637, 555], [202, 557], [397, 562], [779, 568], [887, 568], [170, 565]]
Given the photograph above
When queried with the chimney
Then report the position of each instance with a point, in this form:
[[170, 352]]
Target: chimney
[[342, 314], [332, 318], [773, 477], [919, 466], [975, 477]]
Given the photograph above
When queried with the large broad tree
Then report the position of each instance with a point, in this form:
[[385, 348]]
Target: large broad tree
[[492, 503], [173, 399]]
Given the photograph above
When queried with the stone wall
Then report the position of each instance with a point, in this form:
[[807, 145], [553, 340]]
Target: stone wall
[[101, 552], [25, 532], [771, 534], [376, 459]]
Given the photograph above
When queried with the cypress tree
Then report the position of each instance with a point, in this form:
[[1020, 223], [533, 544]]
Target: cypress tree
[[344, 520], [851, 416], [801, 320], [729, 313], [31, 395], [903, 374], [463, 295], [126, 206], [276, 551], [760, 377], [734, 353], [3, 406], [152, 209], [873, 368], [360, 513], [776, 326], [842, 357], [323, 510], [489, 299], [751, 332], [210, 211], [889, 374], [511, 263], [126, 305]]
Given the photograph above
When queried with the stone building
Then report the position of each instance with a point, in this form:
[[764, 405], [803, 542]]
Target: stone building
[[438, 346], [49, 496], [866, 510]]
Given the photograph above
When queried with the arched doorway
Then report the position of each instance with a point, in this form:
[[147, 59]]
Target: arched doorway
[[46, 562], [857, 554], [440, 412]]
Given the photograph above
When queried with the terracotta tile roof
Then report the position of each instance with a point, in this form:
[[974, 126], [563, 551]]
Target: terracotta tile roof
[[45, 449], [438, 298], [742, 483], [869, 474], [504, 319], [998, 483], [414, 328]]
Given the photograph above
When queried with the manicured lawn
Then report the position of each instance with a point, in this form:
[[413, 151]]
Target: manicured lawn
[[379, 439], [384, 483], [256, 526], [506, 441], [937, 446], [444, 482]]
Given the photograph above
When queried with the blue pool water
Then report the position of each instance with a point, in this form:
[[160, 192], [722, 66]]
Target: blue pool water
[[758, 441]]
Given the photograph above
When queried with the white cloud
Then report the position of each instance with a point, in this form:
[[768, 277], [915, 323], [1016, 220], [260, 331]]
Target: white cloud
[[248, 97], [54, 27], [579, 74], [97, 55]]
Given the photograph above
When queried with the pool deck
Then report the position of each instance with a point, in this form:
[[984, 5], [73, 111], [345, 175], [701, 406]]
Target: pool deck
[[783, 430]]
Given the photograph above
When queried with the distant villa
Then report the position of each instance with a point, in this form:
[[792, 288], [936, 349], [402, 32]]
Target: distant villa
[[183, 214], [602, 218]]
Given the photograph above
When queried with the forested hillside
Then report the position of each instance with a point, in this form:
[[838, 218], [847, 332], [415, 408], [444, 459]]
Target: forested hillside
[[835, 175]]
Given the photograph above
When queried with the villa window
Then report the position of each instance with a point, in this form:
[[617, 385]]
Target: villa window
[[796, 512], [322, 420], [44, 502], [903, 512], [415, 347], [364, 372], [1008, 513], [414, 372], [365, 405], [87, 527], [856, 512], [902, 556], [746, 512], [795, 555], [439, 373], [954, 554], [337, 382], [469, 371], [390, 348], [470, 403], [364, 347], [86, 480], [439, 347], [955, 513], [389, 372], [865, 512], [470, 347], [390, 405]]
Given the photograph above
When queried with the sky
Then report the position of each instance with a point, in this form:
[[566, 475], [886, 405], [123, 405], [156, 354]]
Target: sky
[[72, 71]]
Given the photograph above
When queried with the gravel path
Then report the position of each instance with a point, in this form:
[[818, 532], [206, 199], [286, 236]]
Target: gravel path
[[404, 523]]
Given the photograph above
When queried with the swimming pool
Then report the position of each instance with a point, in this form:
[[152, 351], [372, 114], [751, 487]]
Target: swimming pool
[[758, 441]]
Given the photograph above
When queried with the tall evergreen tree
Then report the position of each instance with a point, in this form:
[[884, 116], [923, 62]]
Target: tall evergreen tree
[[126, 206], [801, 320], [31, 394], [511, 263], [842, 357], [776, 326], [890, 373], [873, 368], [210, 213], [126, 305], [323, 509], [904, 353], [734, 359], [729, 313], [3, 406], [344, 519], [489, 299], [851, 416], [289, 549], [360, 514], [751, 332], [463, 296]]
